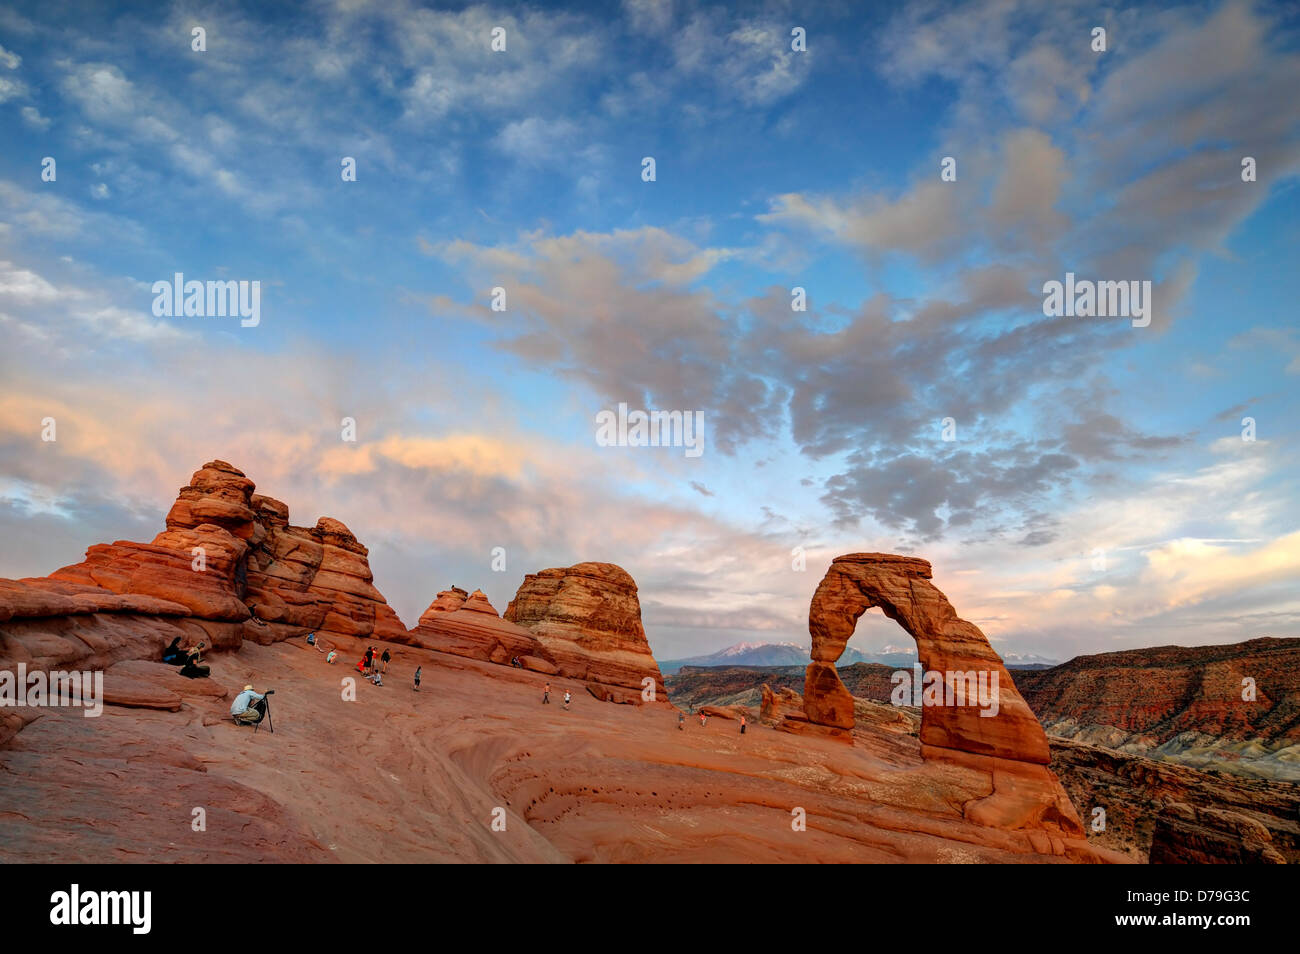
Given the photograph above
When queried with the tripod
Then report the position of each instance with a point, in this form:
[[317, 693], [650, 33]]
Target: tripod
[[266, 701]]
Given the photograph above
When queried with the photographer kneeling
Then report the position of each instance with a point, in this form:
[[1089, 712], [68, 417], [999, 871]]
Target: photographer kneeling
[[249, 707]]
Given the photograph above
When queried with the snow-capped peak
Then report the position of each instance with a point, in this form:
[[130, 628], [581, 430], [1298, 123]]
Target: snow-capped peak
[[741, 648]]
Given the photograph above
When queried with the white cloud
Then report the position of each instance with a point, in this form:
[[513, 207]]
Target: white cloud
[[11, 89], [538, 140], [748, 60], [103, 92], [71, 313], [32, 116], [24, 286], [649, 16]]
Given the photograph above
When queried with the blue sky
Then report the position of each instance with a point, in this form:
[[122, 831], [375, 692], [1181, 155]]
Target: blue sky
[[776, 168]]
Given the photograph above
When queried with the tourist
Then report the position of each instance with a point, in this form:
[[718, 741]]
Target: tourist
[[333, 655], [546, 695], [681, 721], [249, 707], [703, 720], [742, 725], [194, 668], [369, 659], [173, 655], [385, 659], [417, 678], [566, 700]]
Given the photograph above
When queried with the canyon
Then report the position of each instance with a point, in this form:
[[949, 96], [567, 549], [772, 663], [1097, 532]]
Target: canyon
[[1232, 707], [1160, 740]]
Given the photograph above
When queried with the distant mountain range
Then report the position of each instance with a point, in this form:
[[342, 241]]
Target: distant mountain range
[[1027, 661], [753, 654], [792, 654]]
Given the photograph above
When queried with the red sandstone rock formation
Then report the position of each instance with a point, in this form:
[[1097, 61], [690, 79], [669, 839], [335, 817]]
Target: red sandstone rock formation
[[574, 782], [48, 624], [700, 685], [1168, 813], [589, 619], [1010, 746], [448, 601], [368, 782], [229, 567], [1154, 810], [468, 625], [777, 703], [295, 579], [1183, 703]]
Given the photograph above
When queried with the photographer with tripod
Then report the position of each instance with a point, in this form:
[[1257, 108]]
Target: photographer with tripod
[[250, 708]]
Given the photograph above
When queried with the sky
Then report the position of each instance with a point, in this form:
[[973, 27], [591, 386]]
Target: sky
[[1079, 484]]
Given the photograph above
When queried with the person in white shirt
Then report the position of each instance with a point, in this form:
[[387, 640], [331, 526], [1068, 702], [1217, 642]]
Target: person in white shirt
[[246, 709]]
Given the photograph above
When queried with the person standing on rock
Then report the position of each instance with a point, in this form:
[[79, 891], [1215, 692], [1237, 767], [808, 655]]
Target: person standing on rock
[[369, 658], [742, 725], [417, 678], [566, 700], [385, 659], [704, 720], [546, 695], [681, 721]]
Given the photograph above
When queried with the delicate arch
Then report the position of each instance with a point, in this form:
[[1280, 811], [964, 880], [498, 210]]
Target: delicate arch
[[901, 587]]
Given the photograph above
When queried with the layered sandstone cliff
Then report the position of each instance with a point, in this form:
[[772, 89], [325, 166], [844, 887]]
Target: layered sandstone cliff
[[589, 619], [466, 624], [1235, 707], [1172, 814], [228, 567]]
